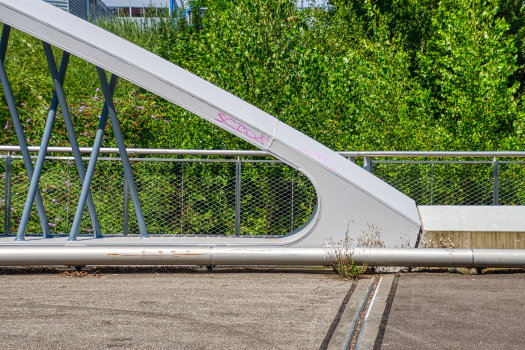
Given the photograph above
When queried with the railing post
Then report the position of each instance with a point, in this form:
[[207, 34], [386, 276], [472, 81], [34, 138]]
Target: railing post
[[367, 164], [432, 185], [182, 201], [7, 196], [352, 159], [125, 223], [293, 188], [238, 197], [495, 179]]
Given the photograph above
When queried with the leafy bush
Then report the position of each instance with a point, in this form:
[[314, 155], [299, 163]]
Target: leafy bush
[[354, 75], [396, 75]]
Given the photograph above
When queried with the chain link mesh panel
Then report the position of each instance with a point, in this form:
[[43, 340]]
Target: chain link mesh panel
[[455, 183], [55, 187], [511, 184], [198, 197], [275, 199], [107, 190], [185, 197]]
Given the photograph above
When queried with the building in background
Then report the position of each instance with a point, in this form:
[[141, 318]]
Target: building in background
[[140, 8], [86, 9]]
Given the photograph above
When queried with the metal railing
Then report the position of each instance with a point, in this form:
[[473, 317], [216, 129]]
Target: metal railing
[[239, 194], [178, 196]]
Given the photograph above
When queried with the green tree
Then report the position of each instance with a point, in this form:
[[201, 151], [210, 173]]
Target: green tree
[[467, 68]]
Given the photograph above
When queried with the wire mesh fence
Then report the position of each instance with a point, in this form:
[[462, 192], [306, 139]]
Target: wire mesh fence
[[196, 197], [228, 196], [456, 182]]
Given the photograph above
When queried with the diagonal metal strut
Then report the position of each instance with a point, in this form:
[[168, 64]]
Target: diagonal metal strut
[[71, 132], [33, 188], [20, 132], [92, 163], [122, 148]]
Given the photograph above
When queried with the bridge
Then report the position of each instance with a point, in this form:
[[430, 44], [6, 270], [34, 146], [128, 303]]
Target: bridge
[[344, 190]]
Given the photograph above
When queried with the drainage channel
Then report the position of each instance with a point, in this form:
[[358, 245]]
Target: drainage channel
[[361, 321]]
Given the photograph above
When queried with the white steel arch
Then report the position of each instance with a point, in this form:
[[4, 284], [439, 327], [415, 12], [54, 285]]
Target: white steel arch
[[348, 196]]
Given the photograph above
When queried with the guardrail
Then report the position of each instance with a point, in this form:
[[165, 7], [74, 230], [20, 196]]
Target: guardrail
[[240, 195], [240, 153]]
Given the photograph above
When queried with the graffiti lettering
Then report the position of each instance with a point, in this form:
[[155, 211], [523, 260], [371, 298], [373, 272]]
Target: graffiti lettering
[[319, 157], [240, 128]]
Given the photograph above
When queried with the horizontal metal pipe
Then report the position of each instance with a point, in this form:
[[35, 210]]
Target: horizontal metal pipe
[[211, 152], [103, 255], [145, 151], [17, 255], [445, 154]]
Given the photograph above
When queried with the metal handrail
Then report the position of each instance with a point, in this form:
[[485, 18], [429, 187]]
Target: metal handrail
[[444, 154], [241, 153]]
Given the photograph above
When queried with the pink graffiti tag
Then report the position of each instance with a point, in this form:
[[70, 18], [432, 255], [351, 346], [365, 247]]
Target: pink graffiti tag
[[320, 157], [240, 128]]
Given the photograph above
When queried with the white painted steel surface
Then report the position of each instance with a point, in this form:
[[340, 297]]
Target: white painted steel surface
[[346, 192], [493, 218]]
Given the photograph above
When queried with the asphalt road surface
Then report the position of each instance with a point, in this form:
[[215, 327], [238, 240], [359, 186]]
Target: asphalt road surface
[[230, 309], [255, 308], [450, 311]]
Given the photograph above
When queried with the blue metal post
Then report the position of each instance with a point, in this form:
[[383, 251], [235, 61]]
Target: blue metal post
[[495, 181], [7, 195], [122, 150], [92, 165], [71, 132], [125, 221], [20, 133], [43, 150]]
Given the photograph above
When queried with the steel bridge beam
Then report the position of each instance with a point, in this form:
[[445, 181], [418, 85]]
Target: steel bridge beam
[[345, 192]]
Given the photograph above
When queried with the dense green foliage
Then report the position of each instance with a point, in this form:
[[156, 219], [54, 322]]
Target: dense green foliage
[[355, 75]]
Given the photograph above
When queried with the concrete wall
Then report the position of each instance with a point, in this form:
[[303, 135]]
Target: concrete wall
[[475, 227], [473, 240]]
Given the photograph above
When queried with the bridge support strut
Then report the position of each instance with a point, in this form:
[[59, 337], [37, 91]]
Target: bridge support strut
[[86, 177], [20, 132], [122, 149]]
